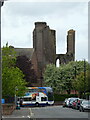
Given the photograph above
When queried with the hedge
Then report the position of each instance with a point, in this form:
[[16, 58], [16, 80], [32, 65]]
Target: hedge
[[61, 97]]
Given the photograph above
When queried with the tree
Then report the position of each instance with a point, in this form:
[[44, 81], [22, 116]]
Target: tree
[[12, 76], [26, 67], [69, 73], [61, 79], [52, 78], [8, 56], [67, 77], [81, 84]]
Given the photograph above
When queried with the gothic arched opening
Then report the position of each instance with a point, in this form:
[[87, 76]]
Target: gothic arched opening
[[57, 63]]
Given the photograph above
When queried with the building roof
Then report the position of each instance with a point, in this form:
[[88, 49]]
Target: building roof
[[24, 51]]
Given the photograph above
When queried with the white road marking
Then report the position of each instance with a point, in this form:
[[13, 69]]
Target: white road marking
[[31, 113]]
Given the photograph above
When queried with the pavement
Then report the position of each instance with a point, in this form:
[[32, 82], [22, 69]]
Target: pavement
[[22, 113]]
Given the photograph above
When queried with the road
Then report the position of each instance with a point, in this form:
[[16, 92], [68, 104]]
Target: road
[[57, 112], [53, 112]]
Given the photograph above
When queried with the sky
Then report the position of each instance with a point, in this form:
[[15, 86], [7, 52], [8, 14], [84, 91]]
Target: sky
[[18, 18]]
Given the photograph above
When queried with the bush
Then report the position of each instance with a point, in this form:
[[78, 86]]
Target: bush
[[61, 97]]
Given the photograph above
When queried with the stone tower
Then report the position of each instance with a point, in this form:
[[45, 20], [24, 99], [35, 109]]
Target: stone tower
[[44, 43], [71, 43], [70, 54]]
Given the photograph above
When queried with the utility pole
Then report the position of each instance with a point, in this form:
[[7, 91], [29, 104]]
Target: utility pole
[[84, 77], [0, 69], [75, 71], [1, 4]]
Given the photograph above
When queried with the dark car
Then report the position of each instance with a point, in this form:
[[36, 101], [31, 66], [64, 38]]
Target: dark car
[[85, 105]]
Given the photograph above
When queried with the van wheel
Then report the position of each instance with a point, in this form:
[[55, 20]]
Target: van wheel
[[37, 104]]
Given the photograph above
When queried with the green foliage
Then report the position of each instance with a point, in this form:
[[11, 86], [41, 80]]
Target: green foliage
[[8, 56], [62, 97], [12, 77], [51, 77], [81, 83], [61, 79]]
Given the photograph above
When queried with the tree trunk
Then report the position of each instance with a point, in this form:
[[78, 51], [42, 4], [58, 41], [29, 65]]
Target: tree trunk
[[68, 91]]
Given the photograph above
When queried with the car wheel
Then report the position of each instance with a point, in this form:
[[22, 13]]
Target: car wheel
[[82, 110], [76, 108]]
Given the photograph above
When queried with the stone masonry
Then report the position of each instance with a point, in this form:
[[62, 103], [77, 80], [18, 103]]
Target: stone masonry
[[44, 49]]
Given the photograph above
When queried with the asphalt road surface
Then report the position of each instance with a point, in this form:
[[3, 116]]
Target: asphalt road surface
[[57, 112], [45, 113]]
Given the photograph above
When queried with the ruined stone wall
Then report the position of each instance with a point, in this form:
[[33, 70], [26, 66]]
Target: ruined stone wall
[[64, 58], [38, 39], [44, 44], [71, 43], [70, 54], [49, 47], [35, 67], [44, 52]]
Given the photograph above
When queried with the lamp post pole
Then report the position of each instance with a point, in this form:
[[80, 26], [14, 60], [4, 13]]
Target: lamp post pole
[[16, 89], [0, 69], [1, 4], [84, 77], [75, 73]]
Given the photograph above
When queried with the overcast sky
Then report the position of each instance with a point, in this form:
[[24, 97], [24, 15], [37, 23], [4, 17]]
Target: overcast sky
[[18, 20]]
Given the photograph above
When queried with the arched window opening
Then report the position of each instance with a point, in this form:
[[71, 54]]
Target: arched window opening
[[57, 63]]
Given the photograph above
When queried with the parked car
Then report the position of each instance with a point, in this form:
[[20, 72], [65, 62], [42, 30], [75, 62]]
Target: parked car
[[79, 101], [65, 102], [68, 102], [85, 105], [71, 101], [76, 103]]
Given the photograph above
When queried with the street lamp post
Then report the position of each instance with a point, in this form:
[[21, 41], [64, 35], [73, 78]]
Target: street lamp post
[[1, 4], [0, 69], [75, 73], [84, 77], [16, 89]]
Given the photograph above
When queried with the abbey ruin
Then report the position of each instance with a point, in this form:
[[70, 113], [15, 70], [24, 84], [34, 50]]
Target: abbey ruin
[[44, 49]]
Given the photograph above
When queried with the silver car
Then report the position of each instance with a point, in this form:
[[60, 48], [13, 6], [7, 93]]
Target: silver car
[[85, 105]]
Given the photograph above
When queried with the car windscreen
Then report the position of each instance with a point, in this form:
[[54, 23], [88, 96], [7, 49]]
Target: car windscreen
[[86, 102]]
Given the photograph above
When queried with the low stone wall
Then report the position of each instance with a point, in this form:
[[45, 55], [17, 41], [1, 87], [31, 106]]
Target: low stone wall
[[7, 109], [58, 103]]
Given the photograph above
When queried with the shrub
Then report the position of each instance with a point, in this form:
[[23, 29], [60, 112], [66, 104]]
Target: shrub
[[61, 97]]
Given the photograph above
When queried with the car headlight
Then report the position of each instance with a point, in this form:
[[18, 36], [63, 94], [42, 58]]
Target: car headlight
[[85, 106]]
